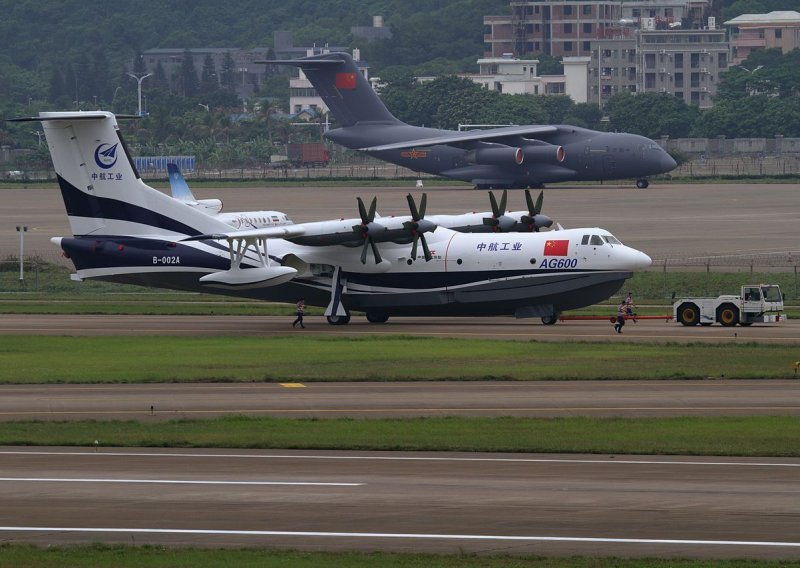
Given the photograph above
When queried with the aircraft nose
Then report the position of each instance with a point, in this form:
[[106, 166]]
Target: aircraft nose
[[641, 260], [668, 163]]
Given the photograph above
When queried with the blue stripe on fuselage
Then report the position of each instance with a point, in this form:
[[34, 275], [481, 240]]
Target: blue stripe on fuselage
[[80, 204]]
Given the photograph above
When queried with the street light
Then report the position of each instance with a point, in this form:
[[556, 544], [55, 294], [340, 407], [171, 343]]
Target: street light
[[748, 70], [21, 229], [39, 134], [207, 107], [139, 81]]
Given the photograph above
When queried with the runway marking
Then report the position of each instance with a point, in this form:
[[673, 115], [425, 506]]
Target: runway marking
[[407, 536], [176, 481], [293, 385], [405, 458]]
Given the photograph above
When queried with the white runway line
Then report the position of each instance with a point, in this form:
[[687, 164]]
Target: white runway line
[[176, 481], [407, 536], [610, 461]]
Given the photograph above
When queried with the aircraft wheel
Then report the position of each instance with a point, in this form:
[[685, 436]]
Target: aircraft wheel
[[689, 314], [642, 183], [728, 315], [377, 318], [339, 320], [550, 320]]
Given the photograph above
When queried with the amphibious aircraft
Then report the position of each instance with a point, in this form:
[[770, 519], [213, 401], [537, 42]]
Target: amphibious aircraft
[[126, 231], [238, 220], [507, 157]]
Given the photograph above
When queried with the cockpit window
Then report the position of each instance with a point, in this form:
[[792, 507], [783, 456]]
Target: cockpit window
[[611, 239], [585, 240], [772, 293], [596, 240]]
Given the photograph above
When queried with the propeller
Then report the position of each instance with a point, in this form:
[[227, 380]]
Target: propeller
[[367, 229], [418, 226], [534, 219], [499, 222]]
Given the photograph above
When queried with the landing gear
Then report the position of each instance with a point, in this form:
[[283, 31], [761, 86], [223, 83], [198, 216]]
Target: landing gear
[[373, 317], [642, 183], [550, 320], [339, 320]]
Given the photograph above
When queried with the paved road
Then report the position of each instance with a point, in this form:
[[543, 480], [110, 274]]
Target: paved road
[[666, 221], [519, 503], [787, 332], [380, 400]]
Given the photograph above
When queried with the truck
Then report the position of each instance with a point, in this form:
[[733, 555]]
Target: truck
[[307, 154], [755, 303]]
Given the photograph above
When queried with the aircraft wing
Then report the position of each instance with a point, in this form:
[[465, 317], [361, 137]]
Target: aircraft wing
[[284, 232], [457, 138]]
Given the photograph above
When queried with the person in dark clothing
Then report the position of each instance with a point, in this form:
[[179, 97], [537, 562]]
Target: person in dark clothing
[[301, 310], [621, 310]]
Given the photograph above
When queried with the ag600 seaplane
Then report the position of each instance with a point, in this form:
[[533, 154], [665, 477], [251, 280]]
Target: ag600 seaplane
[[493, 263]]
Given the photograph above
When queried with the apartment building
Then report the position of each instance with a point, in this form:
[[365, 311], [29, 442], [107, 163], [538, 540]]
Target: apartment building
[[749, 32]]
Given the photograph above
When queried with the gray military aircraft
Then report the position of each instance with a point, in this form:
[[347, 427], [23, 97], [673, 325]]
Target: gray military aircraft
[[507, 157]]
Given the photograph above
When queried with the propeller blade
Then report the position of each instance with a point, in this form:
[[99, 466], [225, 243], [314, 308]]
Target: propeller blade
[[362, 211], [414, 247], [364, 251], [425, 248], [372, 207], [538, 207], [412, 207], [493, 201], [375, 252], [529, 202], [503, 201], [423, 203]]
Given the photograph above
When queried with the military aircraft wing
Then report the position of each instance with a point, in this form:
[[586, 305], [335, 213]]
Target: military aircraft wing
[[459, 138]]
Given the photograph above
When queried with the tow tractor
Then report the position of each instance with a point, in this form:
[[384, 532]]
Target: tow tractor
[[756, 303]]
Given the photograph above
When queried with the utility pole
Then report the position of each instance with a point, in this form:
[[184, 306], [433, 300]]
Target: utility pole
[[139, 81], [21, 229]]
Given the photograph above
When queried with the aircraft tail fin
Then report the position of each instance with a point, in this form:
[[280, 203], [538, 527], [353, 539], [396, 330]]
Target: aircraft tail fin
[[102, 190], [344, 90], [177, 184]]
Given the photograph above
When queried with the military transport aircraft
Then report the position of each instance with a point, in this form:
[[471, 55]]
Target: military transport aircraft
[[507, 157], [126, 231]]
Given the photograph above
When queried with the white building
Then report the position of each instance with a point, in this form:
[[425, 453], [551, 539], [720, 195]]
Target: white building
[[520, 77]]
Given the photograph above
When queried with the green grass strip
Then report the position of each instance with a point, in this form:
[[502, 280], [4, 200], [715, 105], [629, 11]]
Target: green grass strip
[[97, 556], [51, 359], [727, 436]]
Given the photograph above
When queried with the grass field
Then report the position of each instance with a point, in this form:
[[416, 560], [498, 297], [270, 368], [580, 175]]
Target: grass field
[[741, 436], [97, 556], [52, 359]]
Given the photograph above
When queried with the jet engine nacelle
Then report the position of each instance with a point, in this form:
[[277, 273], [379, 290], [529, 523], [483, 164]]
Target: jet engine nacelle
[[504, 156], [249, 278], [208, 206], [548, 153]]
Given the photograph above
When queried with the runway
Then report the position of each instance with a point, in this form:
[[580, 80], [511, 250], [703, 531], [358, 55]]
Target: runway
[[501, 328], [394, 400], [675, 221], [510, 503]]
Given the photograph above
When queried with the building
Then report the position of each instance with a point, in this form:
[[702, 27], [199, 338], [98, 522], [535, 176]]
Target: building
[[683, 63], [375, 32], [749, 32], [564, 28], [520, 77]]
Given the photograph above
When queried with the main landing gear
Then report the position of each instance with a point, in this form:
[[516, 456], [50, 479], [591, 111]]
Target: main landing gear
[[642, 183]]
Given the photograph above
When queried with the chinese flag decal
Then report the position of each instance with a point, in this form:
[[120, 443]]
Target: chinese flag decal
[[556, 248], [345, 80]]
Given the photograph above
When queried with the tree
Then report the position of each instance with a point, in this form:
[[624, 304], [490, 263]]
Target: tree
[[208, 79], [228, 72], [188, 75], [651, 114]]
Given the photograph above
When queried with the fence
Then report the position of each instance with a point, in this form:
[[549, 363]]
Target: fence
[[700, 276]]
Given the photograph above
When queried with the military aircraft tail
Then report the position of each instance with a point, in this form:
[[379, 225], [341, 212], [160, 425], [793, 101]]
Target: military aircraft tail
[[344, 90], [102, 190]]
